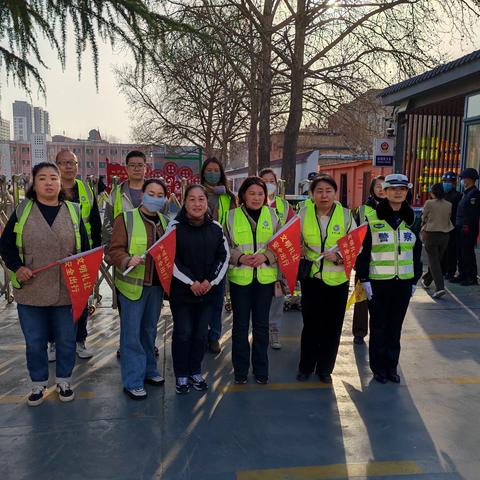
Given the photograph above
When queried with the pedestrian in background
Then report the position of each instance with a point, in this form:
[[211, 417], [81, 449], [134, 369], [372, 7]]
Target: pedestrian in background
[[220, 201], [389, 266], [360, 310], [436, 226], [140, 291], [201, 262], [44, 228], [252, 276], [325, 285], [450, 258], [284, 213]]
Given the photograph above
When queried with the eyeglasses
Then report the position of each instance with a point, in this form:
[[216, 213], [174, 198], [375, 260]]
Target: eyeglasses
[[136, 166], [68, 163]]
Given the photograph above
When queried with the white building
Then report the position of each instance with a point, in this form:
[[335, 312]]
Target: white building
[[4, 130], [5, 161], [39, 147]]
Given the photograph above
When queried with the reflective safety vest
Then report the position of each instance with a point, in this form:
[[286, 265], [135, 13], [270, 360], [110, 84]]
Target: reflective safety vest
[[224, 202], [338, 226], [85, 196], [116, 199], [241, 234], [23, 212], [392, 250], [281, 209], [364, 211], [131, 285]]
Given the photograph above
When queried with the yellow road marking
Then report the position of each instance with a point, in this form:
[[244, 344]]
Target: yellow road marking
[[274, 386], [12, 399], [348, 470]]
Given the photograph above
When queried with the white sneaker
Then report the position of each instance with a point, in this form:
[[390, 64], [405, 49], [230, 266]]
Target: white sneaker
[[439, 293], [274, 341], [36, 397], [136, 393], [51, 352], [83, 351], [65, 392]]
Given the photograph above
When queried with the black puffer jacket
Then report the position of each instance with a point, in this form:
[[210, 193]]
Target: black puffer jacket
[[201, 254], [385, 212]]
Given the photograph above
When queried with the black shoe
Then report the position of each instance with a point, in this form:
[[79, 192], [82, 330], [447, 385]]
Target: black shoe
[[325, 379], [456, 280], [358, 340], [36, 397], [157, 354], [214, 347], [157, 381], [303, 377], [261, 379], [198, 383], [241, 379], [65, 392], [393, 377], [182, 386], [380, 378], [468, 283]]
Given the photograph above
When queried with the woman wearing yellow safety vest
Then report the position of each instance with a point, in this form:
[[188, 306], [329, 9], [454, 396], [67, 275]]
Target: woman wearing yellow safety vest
[[252, 275], [389, 267], [360, 310], [44, 228], [140, 292], [284, 213], [220, 201], [325, 285]]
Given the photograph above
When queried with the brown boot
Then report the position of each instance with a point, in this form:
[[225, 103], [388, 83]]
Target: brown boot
[[214, 346]]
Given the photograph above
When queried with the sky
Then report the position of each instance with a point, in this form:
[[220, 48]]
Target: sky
[[75, 106]]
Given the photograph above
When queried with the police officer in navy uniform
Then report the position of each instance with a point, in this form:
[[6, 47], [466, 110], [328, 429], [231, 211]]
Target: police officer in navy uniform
[[452, 195], [466, 226]]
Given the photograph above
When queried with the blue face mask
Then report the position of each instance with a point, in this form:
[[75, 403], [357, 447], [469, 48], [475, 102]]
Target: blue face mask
[[447, 187], [153, 204], [212, 178]]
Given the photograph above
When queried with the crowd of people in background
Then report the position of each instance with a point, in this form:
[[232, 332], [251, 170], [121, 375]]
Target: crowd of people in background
[[222, 248]]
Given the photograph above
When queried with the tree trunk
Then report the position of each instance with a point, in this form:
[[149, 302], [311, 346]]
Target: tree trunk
[[265, 85], [252, 135], [296, 102]]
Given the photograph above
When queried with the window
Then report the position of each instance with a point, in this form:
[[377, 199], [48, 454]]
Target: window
[[88, 151], [76, 150], [25, 149], [101, 151], [102, 164], [113, 151], [473, 106]]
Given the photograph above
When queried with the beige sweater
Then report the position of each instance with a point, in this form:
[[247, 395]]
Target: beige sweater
[[436, 216]]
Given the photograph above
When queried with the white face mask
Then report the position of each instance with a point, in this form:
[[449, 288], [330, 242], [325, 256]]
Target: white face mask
[[271, 188]]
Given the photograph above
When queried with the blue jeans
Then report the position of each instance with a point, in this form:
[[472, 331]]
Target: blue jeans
[[81, 328], [215, 324], [37, 323], [138, 331], [189, 338]]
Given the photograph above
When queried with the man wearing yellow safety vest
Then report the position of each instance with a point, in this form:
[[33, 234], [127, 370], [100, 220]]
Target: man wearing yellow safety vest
[[389, 267], [80, 192], [284, 213], [127, 195], [360, 310], [324, 282]]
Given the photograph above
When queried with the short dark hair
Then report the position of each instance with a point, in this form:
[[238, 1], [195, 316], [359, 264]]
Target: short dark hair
[[157, 181], [265, 171], [374, 181], [323, 178], [135, 153], [247, 183], [191, 187], [31, 193], [438, 190]]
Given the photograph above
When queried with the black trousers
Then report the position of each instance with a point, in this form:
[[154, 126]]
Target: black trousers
[[250, 301], [388, 308], [467, 261], [450, 258], [323, 311], [190, 333]]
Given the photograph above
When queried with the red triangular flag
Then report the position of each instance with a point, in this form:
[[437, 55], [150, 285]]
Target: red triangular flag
[[163, 253], [80, 272], [350, 245], [286, 245]]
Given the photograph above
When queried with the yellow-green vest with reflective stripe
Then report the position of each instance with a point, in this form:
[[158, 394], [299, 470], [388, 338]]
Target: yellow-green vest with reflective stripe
[[85, 196], [131, 285], [338, 226], [392, 250], [117, 201], [23, 212], [364, 211], [242, 236], [281, 209], [224, 202]]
